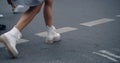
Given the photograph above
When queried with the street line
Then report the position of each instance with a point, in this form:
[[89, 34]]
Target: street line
[[97, 22], [19, 42], [109, 53], [60, 30], [105, 56], [117, 15]]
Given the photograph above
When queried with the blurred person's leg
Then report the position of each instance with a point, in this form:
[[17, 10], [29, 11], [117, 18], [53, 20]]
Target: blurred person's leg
[[15, 8], [11, 3]]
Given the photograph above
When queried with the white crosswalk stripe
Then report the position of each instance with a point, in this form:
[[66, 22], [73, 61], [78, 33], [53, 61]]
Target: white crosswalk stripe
[[97, 22], [60, 30], [19, 42], [117, 15], [106, 56], [109, 53]]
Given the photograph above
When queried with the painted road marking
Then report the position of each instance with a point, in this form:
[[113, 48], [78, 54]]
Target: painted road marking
[[109, 53], [97, 22], [19, 42], [117, 15], [60, 30], [106, 56]]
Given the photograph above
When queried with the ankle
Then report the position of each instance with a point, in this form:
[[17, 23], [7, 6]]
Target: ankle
[[51, 27], [14, 32]]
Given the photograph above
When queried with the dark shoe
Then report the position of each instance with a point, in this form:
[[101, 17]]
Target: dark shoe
[[2, 27]]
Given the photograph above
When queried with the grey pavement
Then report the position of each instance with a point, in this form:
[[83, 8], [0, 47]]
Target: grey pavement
[[90, 32]]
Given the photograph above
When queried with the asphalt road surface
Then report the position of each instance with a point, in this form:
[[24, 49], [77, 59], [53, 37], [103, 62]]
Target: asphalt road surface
[[90, 32]]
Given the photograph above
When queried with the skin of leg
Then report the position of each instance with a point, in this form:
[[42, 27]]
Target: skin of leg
[[27, 17], [48, 12]]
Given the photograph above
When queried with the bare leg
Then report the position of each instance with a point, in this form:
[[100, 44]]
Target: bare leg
[[48, 12], [27, 17], [9, 38], [52, 35], [10, 3]]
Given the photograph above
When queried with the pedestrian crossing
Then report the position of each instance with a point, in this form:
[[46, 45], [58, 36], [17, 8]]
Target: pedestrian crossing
[[69, 29], [117, 15], [108, 55], [103, 53], [87, 27], [97, 22]]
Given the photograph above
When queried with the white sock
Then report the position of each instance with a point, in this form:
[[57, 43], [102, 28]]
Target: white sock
[[51, 28]]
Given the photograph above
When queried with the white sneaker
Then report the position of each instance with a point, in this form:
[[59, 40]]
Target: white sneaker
[[10, 43], [18, 8], [52, 36], [1, 15], [9, 39]]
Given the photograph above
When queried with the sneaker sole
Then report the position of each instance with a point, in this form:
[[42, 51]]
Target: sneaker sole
[[8, 46], [53, 41]]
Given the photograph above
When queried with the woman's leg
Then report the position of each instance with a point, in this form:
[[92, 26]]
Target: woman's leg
[[52, 35], [9, 38], [48, 12], [27, 17]]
